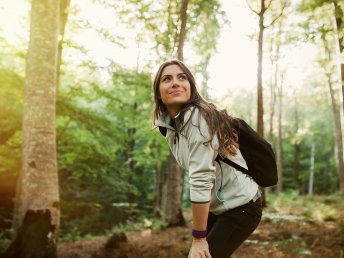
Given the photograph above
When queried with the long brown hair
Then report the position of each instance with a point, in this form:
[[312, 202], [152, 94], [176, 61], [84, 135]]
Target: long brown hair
[[218, 121]]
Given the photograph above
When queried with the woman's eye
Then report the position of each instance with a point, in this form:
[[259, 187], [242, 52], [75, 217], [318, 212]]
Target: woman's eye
[[183, 77], [166, 79]]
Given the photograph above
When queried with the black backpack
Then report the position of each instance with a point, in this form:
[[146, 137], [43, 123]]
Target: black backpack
[[258, 154]]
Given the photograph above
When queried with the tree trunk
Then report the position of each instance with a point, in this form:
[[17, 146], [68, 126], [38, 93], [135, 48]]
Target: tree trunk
[[338, 12], [297, 147], [279, 142], [131, 154], [158, 184], [272, 108], [311, 172], [260, 104], [260, 107], [172, 204], [273, 85], [182, 31], [337, 135], [296, 165], [38, 191], [205, 75]]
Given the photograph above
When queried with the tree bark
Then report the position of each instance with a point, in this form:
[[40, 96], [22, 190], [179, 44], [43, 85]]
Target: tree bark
[[38, 191], [172, 202]]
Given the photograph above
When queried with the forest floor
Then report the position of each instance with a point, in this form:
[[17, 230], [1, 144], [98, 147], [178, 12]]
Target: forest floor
[[278, 235]]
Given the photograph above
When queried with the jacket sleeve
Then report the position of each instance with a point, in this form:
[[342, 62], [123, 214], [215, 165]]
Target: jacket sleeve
[[201, 161]]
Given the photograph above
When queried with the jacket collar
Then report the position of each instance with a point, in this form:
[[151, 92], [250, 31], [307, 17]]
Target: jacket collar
[[164, 120]]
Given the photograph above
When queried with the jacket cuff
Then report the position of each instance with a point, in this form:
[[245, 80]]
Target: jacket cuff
[[200, 195]]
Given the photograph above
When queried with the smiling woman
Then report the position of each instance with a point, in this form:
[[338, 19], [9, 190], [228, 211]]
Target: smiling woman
[[225, 203]]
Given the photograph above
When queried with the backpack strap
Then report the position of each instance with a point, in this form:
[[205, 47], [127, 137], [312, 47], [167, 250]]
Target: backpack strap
[[232, 164]]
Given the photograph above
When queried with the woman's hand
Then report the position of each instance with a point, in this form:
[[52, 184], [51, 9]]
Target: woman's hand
[[199, 249]]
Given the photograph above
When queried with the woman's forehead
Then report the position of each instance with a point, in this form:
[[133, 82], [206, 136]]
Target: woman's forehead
[[172, 70]]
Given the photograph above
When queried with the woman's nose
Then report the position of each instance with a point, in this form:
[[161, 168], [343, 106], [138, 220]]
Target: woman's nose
[[175, 82]]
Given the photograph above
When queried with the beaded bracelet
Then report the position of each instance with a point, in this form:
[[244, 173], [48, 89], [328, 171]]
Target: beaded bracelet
[[199, 233]]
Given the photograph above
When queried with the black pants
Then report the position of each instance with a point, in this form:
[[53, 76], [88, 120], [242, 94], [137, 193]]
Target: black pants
[[227, 231]]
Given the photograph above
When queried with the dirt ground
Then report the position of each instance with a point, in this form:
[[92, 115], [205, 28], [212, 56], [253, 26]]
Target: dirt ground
[[287, 237]]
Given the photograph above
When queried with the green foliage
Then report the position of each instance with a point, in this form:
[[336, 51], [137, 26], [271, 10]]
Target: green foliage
[[311, 207], [11, 105], [107, 151], [139, 224]]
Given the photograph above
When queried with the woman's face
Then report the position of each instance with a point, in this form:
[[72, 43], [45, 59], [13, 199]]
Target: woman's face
[[174, 88]]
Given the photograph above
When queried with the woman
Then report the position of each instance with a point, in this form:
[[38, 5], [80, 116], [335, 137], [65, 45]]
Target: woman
[[226, 205]]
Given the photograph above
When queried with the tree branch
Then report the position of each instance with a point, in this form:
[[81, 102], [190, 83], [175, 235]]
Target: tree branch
[[251, 8], [281, 13], [267, 7]]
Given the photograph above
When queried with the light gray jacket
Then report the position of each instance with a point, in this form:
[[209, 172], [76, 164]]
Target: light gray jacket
[[205, 174]]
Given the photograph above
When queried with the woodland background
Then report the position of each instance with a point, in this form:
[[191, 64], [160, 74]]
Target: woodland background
[[77, 148]]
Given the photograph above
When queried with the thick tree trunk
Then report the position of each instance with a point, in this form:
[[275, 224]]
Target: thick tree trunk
[[38, 191], [172, 202]]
